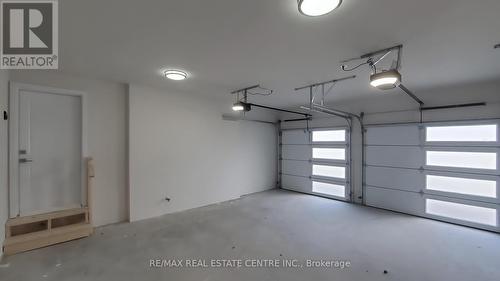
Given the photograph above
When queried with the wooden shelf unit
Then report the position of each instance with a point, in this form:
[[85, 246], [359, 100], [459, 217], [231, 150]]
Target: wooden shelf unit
[[37, 231], [32, 232]]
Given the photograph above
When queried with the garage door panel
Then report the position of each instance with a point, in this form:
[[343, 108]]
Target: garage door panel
[[324, 150], [484, 160], [297, 168], [395, 178], [478, 187], [456, 181], [295, 183], [395, 200], [296, 152], [330, 189], [295, 137], [460, 211], [397, 135], [395, 156]]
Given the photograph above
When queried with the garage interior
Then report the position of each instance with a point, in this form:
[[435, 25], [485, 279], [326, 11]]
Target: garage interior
[[271, 140]]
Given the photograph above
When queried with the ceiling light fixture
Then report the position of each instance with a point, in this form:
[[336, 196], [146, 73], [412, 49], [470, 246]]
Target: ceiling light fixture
[[240, 106], [385, 80], [314, 8], [176, 75]]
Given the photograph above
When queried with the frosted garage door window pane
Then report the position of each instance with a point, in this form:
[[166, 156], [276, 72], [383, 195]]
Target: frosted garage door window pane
[[328, 136], [329, 189], [329, 171], [463, 212], [474, 160], [462, 133], [329, 153], [475, 187]]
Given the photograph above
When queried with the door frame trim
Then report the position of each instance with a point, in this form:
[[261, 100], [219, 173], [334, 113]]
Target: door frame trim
[[14, 90]]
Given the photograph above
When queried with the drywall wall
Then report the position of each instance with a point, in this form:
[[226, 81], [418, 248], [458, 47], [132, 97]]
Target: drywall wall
[[394, 107], [107, 137], [181, 148], [4, 198]]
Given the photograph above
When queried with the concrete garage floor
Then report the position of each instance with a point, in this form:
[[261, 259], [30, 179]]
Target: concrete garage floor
[[271, 225]]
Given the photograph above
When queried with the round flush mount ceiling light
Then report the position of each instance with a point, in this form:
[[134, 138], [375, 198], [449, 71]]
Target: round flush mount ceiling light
[[314, 8], [385, 80], [176, 75]]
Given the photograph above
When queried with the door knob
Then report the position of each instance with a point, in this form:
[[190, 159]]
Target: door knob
[[24, 160]]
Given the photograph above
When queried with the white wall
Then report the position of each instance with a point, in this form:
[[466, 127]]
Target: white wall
[[4, 198], [107, 138], [396, 107], [181, 148]]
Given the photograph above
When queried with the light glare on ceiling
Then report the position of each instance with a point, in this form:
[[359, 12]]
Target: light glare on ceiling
[[316, 8], [385, 80], [176, 75]]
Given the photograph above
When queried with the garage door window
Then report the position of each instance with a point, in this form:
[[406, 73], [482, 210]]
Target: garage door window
[[464, 212], [328, 189], [329, 136], [329, 171], [471, 133], [329, 153], [486, 188], [462, 159]]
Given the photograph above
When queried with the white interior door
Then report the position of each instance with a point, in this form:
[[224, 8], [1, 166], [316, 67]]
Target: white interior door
[[48, 172]]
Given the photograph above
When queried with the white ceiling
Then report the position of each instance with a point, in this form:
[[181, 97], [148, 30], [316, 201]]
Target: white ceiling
[[229, 44]]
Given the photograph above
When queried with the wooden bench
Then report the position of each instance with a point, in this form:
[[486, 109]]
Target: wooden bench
[[37, 231], [32, 232]]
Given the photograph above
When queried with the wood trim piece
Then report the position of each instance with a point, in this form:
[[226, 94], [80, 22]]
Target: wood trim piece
[[43, 217], [90, 183]]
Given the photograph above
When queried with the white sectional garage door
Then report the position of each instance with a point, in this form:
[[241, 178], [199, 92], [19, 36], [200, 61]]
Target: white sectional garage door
[[444, 171], [316, 162]]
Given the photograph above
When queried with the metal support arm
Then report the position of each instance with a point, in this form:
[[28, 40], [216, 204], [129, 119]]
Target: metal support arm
[[326, 82], [409, 93], [278, 109], [245, 89]]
